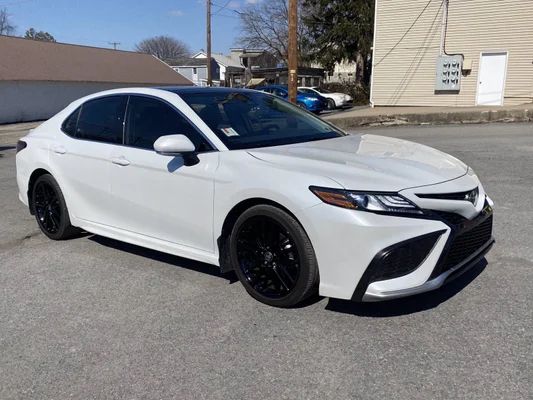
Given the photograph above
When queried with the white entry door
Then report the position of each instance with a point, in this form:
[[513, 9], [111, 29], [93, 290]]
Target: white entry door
[[491, 81]]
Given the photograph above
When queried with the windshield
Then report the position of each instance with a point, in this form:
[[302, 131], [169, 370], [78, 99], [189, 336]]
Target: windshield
[[322, 90], [245, 120]]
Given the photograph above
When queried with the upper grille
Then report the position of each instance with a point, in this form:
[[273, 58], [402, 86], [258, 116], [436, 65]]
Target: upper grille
[[470, 195], [450, 217], [467, 243]]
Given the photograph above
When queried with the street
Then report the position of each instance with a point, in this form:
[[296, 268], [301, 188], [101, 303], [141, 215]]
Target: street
[[93, 318]]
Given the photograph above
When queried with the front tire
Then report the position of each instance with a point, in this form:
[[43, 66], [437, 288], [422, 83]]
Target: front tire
[[50, 209], [273, 257], [331, 105]]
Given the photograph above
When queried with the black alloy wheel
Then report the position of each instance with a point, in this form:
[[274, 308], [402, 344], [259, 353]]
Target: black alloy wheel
[[50, 209], [47, 208], [268, 257], [273, 256], [331, 104]]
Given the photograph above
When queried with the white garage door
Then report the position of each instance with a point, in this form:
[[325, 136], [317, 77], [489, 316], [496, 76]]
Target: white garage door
[[491, 82]]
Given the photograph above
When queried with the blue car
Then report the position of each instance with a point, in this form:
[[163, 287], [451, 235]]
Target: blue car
[[310, 101]]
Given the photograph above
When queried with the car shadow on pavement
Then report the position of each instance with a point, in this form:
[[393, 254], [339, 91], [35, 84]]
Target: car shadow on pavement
[[164, 257], [408, 305]]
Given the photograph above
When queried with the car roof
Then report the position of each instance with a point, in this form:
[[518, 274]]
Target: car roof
[[201, 90], [274, 86]]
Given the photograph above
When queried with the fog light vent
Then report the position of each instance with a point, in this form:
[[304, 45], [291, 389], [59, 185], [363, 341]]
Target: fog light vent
[[402, 258]]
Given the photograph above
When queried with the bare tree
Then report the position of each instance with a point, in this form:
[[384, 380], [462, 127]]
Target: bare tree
[[163, 47], [41, 35], [6, 28], [264, 25]]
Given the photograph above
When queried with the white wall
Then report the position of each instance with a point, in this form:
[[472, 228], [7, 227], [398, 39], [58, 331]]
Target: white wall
[[30, 101], [344, 71]]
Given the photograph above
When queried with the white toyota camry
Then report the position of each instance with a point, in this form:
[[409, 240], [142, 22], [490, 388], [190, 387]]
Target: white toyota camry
[[246, 181]]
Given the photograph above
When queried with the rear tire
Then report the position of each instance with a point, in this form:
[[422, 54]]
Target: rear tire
[[50, 209], [273, 257], [331, 104]]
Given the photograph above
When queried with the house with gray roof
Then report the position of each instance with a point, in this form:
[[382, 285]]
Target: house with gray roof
[[195, 69]]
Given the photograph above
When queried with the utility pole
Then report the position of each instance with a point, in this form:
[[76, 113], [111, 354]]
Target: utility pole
[[114, 44], [293, 50], [209, 72]]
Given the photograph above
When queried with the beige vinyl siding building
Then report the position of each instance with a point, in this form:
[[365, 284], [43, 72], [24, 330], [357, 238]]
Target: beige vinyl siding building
[[495, 37]]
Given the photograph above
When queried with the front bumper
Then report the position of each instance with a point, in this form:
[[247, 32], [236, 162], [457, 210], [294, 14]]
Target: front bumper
[[466, 244], [315, 106], [434, 283], [346, 242], [346, 103]]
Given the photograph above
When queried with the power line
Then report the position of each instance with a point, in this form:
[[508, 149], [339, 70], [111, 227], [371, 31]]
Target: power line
[[15, 3], [225, 16], [114, 44], [221, 7], [405, 34]]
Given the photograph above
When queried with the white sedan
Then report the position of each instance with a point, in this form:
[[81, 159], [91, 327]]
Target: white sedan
[[335, 99], [246, 181]]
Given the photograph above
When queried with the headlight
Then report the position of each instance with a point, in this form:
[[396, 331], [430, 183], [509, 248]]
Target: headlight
[[366, 201]]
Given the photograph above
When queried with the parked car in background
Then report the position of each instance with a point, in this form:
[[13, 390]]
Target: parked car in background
[[312, 102], [334, 99]]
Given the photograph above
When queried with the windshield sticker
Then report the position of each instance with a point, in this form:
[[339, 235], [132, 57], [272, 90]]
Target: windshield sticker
[[229, 132]]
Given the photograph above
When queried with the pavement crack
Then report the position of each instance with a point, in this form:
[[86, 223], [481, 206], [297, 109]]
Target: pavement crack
[[17, 242]]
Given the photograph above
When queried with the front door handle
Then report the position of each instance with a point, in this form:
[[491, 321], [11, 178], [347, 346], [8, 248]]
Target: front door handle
[[120, 161], [59, 149]]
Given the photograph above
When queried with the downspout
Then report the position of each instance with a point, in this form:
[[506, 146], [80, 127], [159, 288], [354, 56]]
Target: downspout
[[445, 4], [373, 54]]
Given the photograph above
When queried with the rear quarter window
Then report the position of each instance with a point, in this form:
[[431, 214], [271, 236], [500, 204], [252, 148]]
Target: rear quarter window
[[70, 124]]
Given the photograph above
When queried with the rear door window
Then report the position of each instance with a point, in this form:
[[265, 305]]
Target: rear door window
[[102, 120]]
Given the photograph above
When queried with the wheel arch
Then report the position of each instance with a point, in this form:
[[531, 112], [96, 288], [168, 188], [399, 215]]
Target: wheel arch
[[231, 218], [31, 182]]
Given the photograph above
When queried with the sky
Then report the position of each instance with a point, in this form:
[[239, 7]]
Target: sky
[[98, 22]]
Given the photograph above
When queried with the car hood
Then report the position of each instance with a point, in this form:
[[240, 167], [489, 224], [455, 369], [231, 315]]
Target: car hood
[[341, 95], [366, 162]]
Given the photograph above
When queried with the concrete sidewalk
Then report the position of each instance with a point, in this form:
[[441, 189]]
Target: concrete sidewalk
[[367, 116], [430, 115]]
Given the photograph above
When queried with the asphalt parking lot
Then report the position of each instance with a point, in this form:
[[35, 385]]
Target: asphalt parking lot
[[95, 318]]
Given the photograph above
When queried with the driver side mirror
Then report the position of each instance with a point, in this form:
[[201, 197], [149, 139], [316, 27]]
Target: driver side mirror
[[177, 145]]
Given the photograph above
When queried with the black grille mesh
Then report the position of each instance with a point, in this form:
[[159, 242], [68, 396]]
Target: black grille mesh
[[467, 243], [402, 258], [450, 217]]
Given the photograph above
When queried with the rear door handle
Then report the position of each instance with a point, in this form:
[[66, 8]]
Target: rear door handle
[[120, 161], [59, 149]]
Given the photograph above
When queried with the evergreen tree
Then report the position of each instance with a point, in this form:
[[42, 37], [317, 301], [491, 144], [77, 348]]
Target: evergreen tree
[[341, 30]]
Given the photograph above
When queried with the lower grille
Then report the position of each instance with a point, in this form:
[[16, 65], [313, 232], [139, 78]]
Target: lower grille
[[402, 258], [467, 243], [397, 260]]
